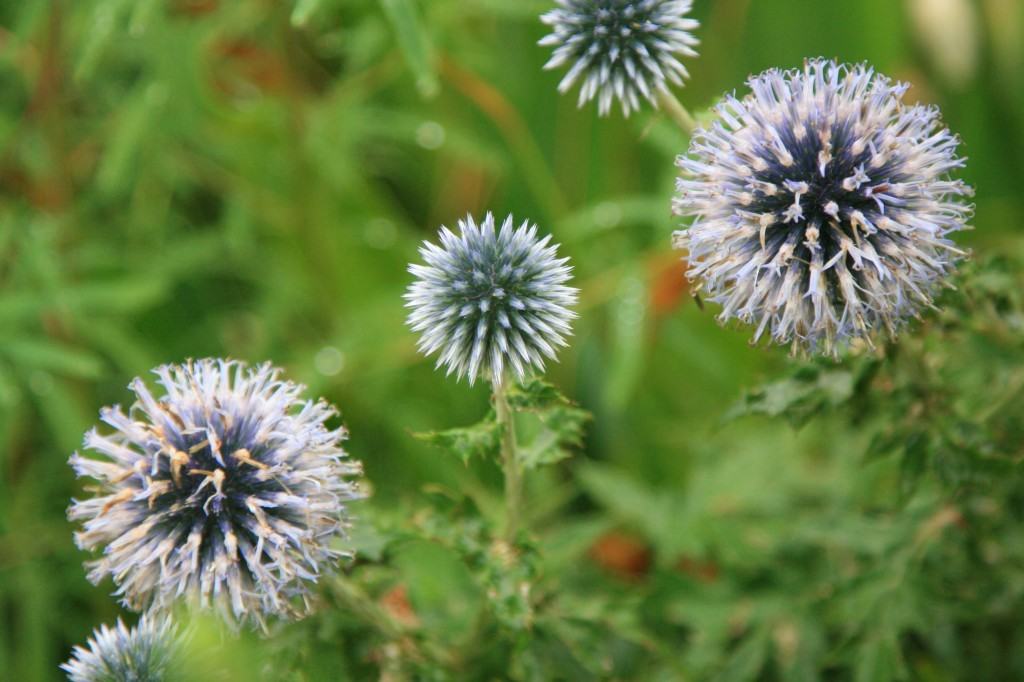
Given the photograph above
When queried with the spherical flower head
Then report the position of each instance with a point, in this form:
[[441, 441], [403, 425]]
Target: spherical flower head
[[620, 49], [821, 206], [226, 490], [488, 300], [144, 653]]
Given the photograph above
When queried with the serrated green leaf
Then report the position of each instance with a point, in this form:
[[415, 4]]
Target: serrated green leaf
[[558, 424], [480, 440], [562, 429], [807, 392], [534, 394]]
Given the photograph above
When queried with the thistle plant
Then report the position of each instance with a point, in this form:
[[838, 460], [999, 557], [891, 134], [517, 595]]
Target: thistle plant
[[494, 302], [624, 50], [227, 490], [822, 206], [144, 653]]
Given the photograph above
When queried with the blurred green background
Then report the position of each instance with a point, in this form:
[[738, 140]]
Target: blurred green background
[[249, 178]]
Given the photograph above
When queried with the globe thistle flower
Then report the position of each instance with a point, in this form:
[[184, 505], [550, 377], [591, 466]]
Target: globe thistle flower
[[620, 49], [489, 299], [226, 490], [821, 206], [145, 653]]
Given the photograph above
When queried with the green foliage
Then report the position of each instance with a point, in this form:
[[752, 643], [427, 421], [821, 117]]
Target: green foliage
[[186, 178], [481, 440], [805, 393], [556, 426], [553, 424]]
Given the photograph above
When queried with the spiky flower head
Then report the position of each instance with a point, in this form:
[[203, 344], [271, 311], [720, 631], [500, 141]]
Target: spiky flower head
[[488, 299], [226, 490], [620, 49], [821, 206], [147, 652]]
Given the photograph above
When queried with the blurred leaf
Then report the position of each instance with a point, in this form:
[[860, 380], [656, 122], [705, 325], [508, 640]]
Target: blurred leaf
[[914, 462], [413, 41], [747, 661], [628, 324], [879, 659], [52, 356], [122, 346], [367, 541], [808, 391], [143, 14], [106, 16], [303, 10], [126, 295], [629, 500], [138, 119], [61, 410]]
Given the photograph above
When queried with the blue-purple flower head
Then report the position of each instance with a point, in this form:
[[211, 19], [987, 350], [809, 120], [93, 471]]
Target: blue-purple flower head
[[624, 50], [227, 490], [148, 652], [491, 300], [822, 206]]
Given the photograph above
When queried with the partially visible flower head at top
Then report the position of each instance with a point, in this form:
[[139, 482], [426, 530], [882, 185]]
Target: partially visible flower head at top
[[148, 652], [489, 300], [227, 490], [821, 206], [620, 49]]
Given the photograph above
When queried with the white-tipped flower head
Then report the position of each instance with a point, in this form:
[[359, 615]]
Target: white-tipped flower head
[[489, 299], [148, 652], [620, 49], [227, 490], [821, 206]]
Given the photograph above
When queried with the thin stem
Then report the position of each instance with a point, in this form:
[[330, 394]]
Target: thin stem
[[373, 614], [674, 108], [369, 611], [510, 463]]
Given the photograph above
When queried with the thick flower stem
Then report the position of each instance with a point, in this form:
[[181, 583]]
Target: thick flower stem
[[510, 463], [674, 108]]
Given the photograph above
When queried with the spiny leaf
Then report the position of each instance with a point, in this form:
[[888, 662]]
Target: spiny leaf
[[480, 440], [559, 423], [562, 428], [805, 393], [534, 394]]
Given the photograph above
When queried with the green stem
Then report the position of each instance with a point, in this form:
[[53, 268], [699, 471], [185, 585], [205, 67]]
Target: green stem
[[510, 463], [674, 108], [373, 614], [369, 611]]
